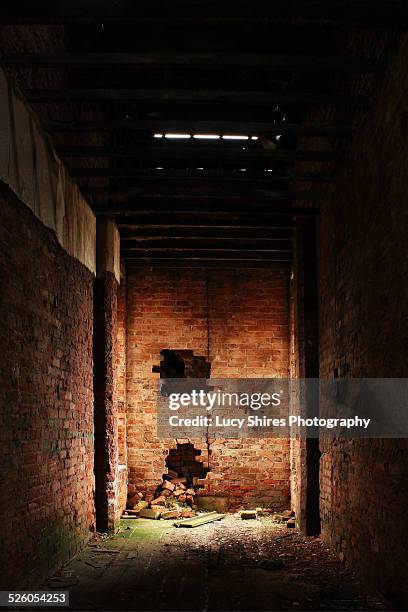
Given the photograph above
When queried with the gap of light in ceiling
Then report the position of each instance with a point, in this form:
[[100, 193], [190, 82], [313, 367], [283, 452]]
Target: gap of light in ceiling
[[204, 136]]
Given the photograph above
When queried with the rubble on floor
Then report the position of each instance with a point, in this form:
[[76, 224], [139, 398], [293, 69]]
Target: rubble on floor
[[248, 514], [173, 498], [286, 517]]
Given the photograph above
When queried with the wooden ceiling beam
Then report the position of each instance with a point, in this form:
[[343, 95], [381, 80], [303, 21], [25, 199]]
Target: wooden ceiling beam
[[119, 192], [212, 12], [243, 254], [192, 179], [201, 127], [251, 208], [208, 263], [185, 225], [200, 242], [215, 61], [188, 153], [258, 197], [140, 232], [196, 96]]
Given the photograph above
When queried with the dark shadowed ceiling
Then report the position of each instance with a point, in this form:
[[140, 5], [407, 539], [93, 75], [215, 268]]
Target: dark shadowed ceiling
[[264, 98]]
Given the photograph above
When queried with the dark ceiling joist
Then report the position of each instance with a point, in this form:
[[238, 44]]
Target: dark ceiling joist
[[189, 153], [201, 127], [258, 197], [184, 225], [141, 233], [211, 12], [206, 208], [243, 254], [275, 218], [182, 178], [198, 251], [221, 176], [216, 61], [209, 263], [221, 244], [185, 96], [222, 186]]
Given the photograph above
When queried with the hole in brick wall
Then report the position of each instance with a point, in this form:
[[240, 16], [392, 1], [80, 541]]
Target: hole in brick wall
[[182, 363], [171, 366], [182, 462]]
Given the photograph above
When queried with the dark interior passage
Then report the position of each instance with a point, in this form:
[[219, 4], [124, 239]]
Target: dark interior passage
[[200, 191]]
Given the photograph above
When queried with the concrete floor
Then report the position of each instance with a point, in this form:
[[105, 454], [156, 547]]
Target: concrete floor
[[151, 565]]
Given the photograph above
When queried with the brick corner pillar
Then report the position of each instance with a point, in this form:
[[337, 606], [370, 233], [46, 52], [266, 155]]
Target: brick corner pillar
[[105, 375], [307, 335]]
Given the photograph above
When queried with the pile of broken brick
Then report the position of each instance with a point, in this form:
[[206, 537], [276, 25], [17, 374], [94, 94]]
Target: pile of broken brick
[[173, 498]]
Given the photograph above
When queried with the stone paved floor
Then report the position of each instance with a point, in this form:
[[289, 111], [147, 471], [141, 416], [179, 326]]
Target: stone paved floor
[[151, 565]]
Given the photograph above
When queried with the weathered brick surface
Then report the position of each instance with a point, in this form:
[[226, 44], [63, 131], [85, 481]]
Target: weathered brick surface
[[110, 396], [121, 477], [121, 370], [296, 369], [238, 320], [105, 393], [46, 426], [304, 363], [364, 333]]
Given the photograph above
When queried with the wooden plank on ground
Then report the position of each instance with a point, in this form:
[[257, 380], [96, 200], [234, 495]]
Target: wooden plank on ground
[[200, 520]]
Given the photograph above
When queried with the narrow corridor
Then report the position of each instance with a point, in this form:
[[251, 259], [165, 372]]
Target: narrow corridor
[[203, 269]]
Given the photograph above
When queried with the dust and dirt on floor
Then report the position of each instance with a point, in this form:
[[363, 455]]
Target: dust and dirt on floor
[[227, 565]]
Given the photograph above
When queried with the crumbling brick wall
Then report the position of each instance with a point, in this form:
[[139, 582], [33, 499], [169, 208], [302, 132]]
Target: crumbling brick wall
[[109, 400], [238, 320], [46, 397], [121, 485], [106, 401], [121, 370], [298, 472], [363, 264]]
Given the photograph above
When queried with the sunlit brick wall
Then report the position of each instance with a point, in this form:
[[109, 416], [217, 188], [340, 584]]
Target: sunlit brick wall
[[238, 320]]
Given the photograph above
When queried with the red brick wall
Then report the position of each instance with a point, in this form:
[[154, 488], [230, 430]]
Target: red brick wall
[[46, 427], [298, 476], [121, 370], [110, 400], [239, 321], [364, 333], [106, 400], [121, 479]]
